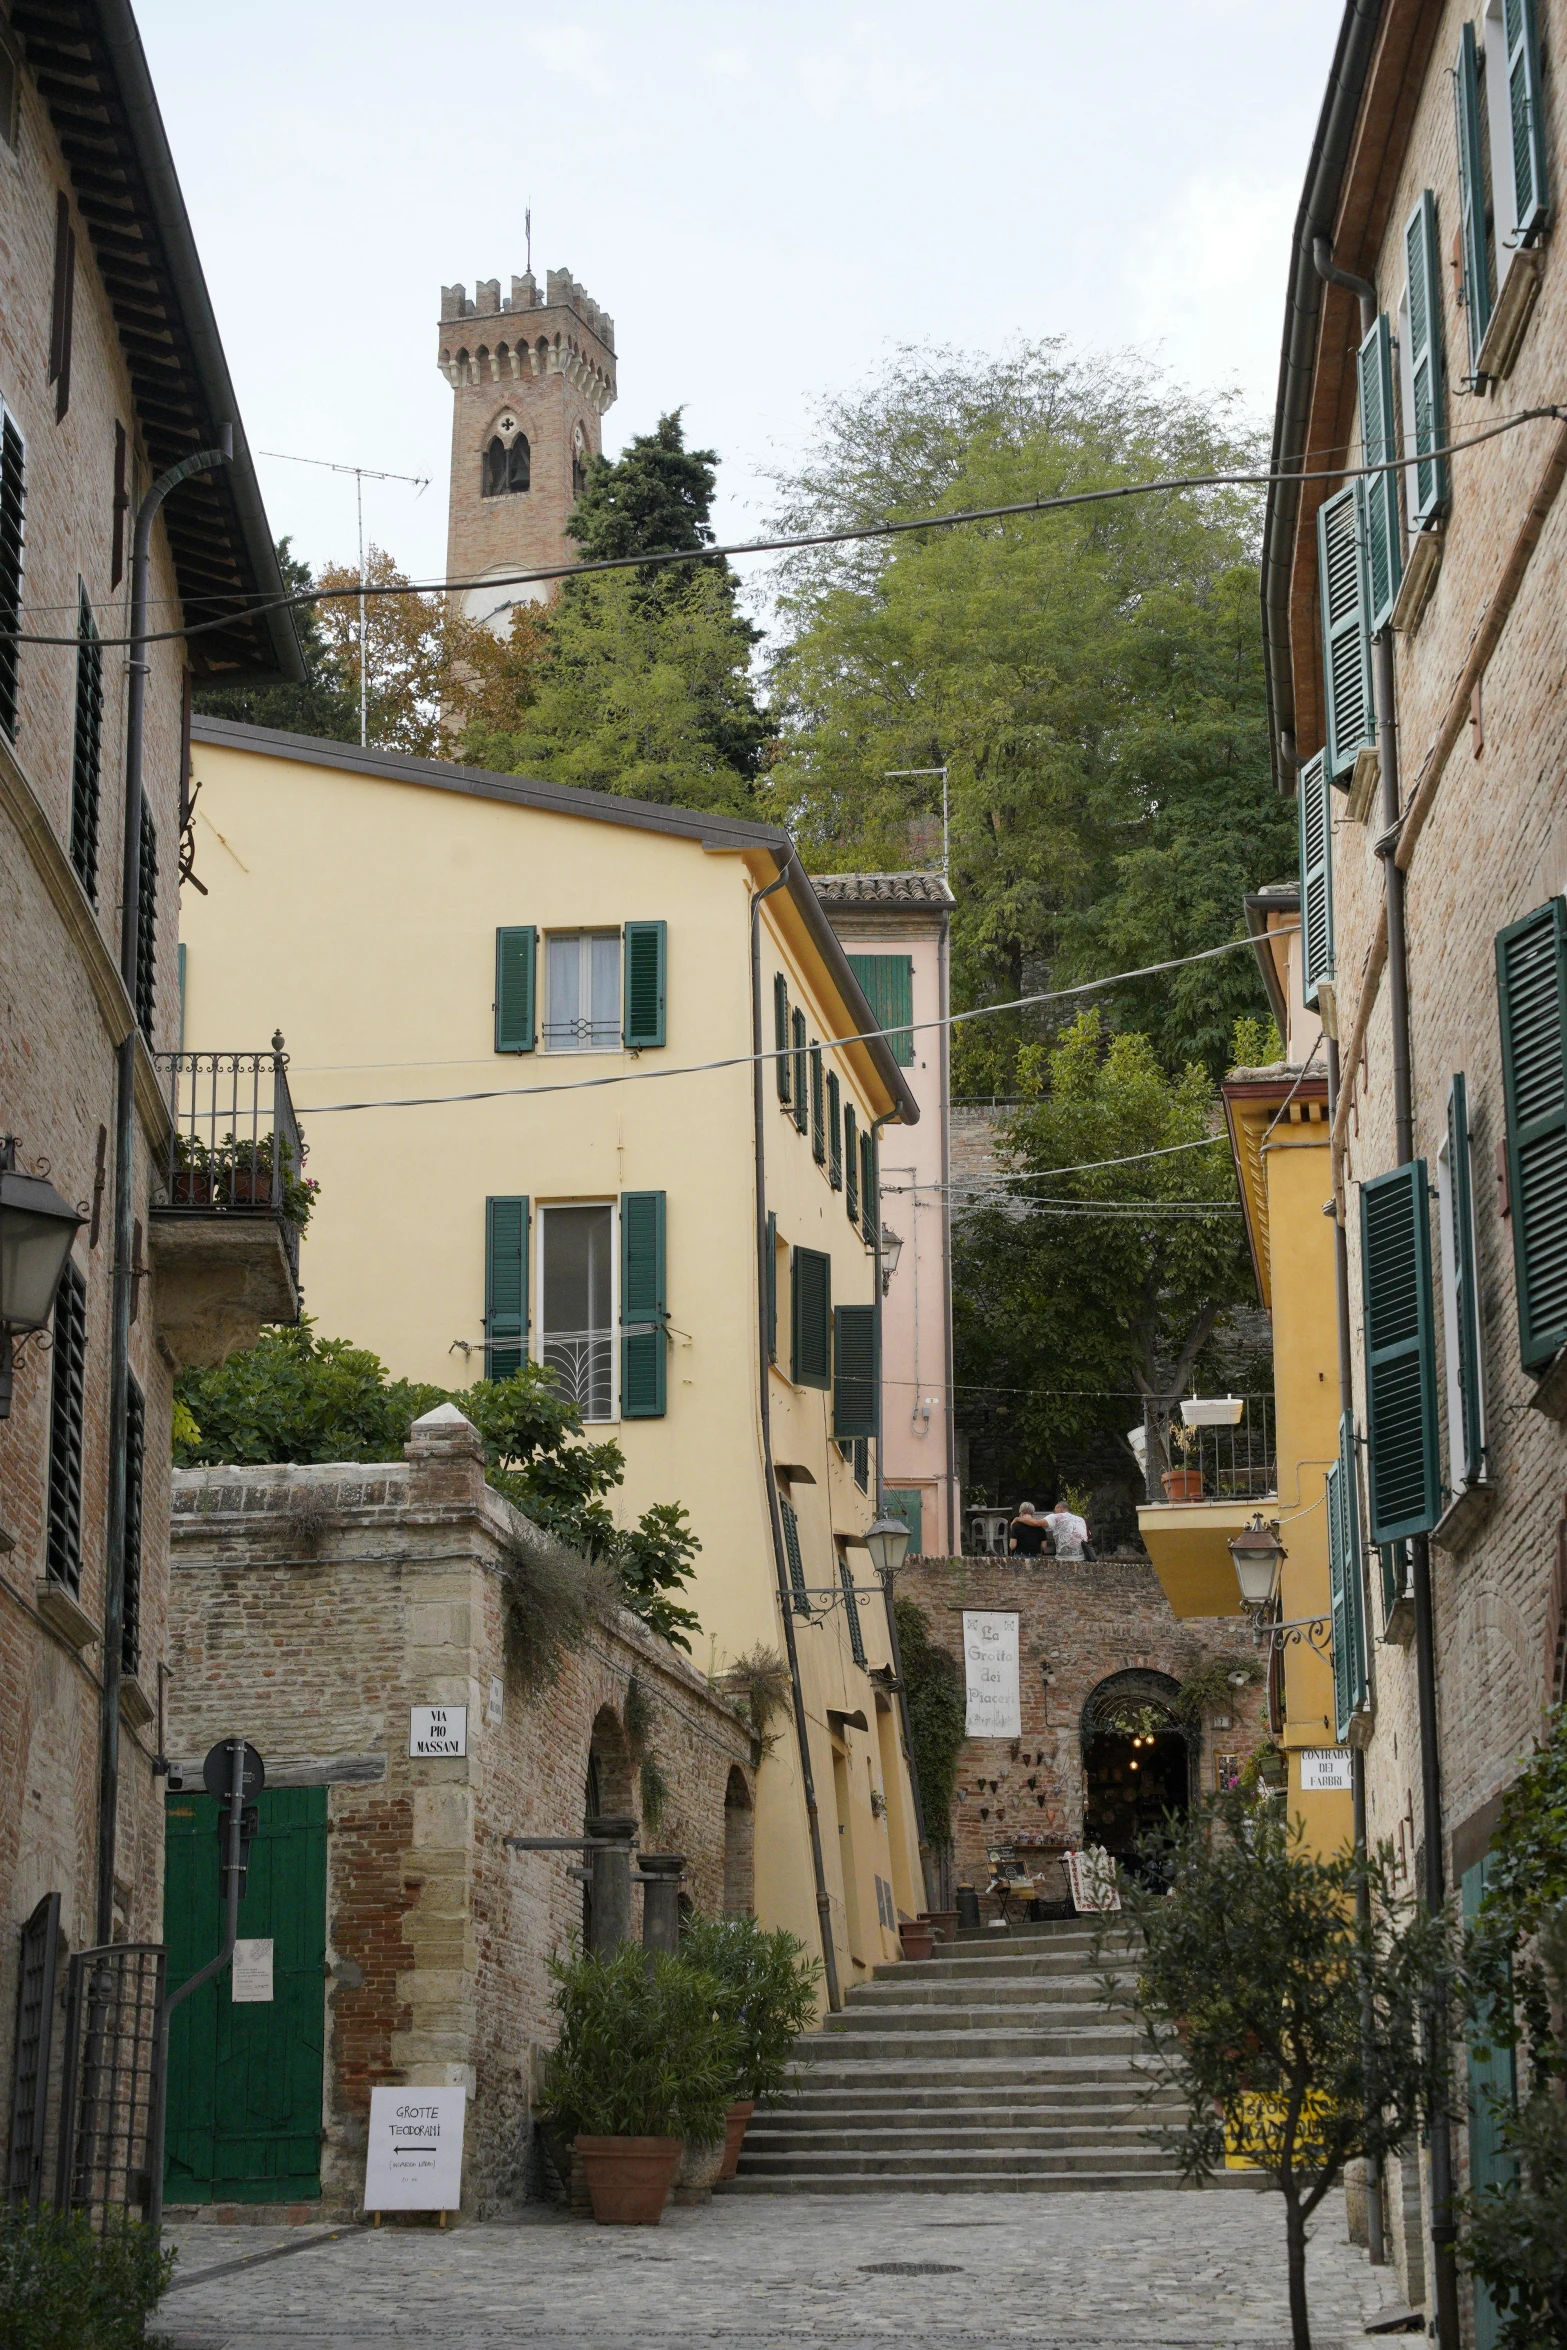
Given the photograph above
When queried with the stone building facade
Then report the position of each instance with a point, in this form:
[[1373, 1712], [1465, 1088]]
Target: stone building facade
[[110, 372], [531, 377], [1094, 1636], [313, 1610]]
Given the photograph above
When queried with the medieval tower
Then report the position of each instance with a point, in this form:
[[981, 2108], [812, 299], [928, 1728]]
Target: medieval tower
[[531, 380]]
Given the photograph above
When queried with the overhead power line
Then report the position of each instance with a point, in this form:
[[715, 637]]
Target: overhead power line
[[247, 606]]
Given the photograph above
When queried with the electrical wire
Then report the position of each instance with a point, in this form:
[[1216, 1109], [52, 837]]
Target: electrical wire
[[251, 606], [748, 1060]]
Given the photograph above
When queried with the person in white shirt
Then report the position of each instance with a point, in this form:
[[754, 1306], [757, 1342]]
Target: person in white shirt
[[1069, 1532]]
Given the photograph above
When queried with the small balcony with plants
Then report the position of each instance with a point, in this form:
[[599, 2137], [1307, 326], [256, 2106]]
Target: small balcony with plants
[[230, 1200], [1209, 1464]]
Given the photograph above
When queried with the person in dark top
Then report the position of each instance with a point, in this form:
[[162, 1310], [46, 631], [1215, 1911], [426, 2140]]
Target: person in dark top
[[1030, 1533]]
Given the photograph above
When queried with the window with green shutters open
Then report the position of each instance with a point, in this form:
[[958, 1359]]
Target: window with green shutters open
[[818, 1108], [1421, 368], [887, 983], [1403, 1464], [644, 1318], [1460, 1296], [851, 1610], [810, 1315], [851, 1164], [770, 1275], [1531, 989], [1512, 30], [516, 957], [1503, 197], [13, 501], [1314, 809], [87, 747], [799, 1076], [505, 1286], [854, 1372], [792, 1553], [646, 955], [781, 1036], [1346, 1581], [870, 1196], [1383, 528], [1476, 222], [67, 1416], [834, 1131], [1346, 630]]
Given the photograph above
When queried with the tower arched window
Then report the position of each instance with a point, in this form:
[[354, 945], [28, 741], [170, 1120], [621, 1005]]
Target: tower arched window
[[506, 470]]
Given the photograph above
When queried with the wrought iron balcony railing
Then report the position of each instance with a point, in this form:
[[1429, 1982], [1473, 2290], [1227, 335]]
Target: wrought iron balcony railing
[[1223, 1463], [235, 1148]]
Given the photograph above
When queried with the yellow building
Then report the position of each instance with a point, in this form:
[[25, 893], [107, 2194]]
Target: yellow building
[[1279, 1129], [496, 995]]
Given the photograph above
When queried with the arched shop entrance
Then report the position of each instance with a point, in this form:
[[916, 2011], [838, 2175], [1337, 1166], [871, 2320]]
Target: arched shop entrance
[[1137, 1761]]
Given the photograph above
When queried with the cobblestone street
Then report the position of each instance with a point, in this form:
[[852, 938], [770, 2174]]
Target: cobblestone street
[[1035, 2272]]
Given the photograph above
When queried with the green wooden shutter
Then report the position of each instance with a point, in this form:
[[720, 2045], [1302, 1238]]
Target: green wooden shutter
[[802, 1107], [791, 1529], [643, 1313], [1424, 264], [772, 1287], [781, 1034], [514, 990], [1527, 114], [810, 1278], [505, 1286], [1384, 532], [1531, 988], [1338, 1595], [908, 1503], [851, 1609], [834, 1132], [1314, 808], [645, 957], [1393, 1558], [1493, 2094], [851, 1164], [887, 983], [1347, 1582], [870, 1197], [1466, 1303], [818, 1109], [1346, 631], [1401, 1419], [854, 1372], [1471, 195]]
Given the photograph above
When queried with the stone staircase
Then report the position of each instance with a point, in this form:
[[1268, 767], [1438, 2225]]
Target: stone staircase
[[992, 2067]]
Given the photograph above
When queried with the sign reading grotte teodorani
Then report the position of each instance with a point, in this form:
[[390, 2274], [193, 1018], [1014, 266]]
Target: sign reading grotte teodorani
[[990, 1669], [438, 1729], [414, 2161]]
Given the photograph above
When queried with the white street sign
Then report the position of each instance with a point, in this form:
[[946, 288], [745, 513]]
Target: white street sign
[[414, 2161], [251, 1978], [438, 1729], [990, 1669], [1325, 1770]]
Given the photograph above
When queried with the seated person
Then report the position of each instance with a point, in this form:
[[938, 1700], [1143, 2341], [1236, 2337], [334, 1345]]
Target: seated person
[[1069, 1532], [1030, 1532]]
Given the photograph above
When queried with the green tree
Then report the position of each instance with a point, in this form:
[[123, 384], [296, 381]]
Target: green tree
[[1094, 1290], [938, 1717], [656, 494], [296, 1397], [1285, 2015], [322, 705], [1091, 678]]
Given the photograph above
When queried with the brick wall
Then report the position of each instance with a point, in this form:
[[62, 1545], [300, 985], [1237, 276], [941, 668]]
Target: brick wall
[[311, 1609]]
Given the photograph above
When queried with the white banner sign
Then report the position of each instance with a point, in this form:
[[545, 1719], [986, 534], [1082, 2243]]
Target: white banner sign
[[251, 1977], [438, 1729], [414, 2161], [1325, 1770], [990, 1670]]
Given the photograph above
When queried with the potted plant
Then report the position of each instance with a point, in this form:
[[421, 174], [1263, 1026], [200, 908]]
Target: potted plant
[[1184, 1483], [644, 2062], [769, 1991], [190, 1173], [248, 1181], [917, 1936]]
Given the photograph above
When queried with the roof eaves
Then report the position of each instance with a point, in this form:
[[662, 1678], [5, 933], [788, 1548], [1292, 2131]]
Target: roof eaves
[[1259, 904]]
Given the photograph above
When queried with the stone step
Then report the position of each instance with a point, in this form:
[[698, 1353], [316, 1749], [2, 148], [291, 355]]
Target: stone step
[[1000, 2093], [836, 2134], [860, 2161], [912, 2015], [1044, 2180], [941, 1986], [935, 2045]]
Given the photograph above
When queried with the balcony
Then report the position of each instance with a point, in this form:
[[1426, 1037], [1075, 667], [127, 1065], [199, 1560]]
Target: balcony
[[1203, 1486], [229, 1201]]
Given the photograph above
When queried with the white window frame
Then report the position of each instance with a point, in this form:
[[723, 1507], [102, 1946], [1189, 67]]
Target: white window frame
[[593, 1043], [542, 1210], [1448, 1233], [1499, 129], [1406, 418]]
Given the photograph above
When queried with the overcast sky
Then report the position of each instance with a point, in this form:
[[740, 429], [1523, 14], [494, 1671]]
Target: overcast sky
[[767, 197]]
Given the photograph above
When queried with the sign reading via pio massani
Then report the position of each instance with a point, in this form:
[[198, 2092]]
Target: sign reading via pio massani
[[437, 1729], [990, 1672], [414, 2161]]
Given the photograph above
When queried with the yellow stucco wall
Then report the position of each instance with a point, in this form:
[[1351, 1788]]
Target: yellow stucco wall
[[358, 914]]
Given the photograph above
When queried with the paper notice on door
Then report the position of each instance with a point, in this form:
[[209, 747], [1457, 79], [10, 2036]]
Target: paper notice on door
[[990, 1672], [252, 1975], [414, 2158]]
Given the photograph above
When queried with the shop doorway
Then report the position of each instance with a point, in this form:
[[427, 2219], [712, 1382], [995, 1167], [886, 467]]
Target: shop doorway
[[1137, 1764]]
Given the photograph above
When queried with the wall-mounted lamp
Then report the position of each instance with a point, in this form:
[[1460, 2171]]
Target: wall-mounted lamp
[[37, 1228], [1258, 1555], [891, 1250]]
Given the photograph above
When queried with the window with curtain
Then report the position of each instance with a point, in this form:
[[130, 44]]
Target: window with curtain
[[582, 1008], [577, 1304]]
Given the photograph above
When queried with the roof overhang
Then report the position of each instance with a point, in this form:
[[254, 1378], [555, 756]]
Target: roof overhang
[[87, 60], [1257, 1102], [1261, 906]]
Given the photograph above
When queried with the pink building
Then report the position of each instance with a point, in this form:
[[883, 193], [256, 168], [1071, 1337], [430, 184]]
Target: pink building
[[895, 930]]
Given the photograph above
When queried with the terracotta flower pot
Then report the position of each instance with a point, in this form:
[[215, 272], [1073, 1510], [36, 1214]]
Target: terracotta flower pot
[[629, 2178], [1182, 1484], [697, 2170], [735, 2121], [191, 1188], [916, 1937], [943, 1923]]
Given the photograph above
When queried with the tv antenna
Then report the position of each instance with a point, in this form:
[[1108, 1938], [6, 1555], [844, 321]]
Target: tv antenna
[[361, 474]]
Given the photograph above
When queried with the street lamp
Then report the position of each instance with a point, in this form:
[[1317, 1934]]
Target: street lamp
[[37, 1228], [891, 1250], [887, 1540], [1258, 1555]]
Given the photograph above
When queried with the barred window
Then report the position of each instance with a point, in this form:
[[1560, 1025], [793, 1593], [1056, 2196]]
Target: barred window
[[63, 1548]]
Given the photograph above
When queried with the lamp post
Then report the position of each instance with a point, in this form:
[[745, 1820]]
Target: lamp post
[[1258, 1555], [887, 1540], [37, 1228], [891, 1250]]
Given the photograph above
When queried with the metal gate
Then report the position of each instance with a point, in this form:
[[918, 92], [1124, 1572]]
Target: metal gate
[[35, 2000], [110, 2083]]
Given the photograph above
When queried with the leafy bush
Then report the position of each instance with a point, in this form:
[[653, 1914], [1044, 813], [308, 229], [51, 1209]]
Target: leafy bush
[[64, 2286], [647, 2048], [769, 1994], [938, 1717]]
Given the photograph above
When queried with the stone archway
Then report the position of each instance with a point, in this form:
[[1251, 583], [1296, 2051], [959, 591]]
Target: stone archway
[[1138, 1761], [607, 1789], [739, 1845]]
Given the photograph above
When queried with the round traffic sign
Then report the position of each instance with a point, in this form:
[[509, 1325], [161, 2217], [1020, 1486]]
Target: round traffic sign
[[217, 1772]]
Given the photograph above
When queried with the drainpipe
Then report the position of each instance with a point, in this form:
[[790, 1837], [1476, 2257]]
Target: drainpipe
[[780, 1560], [894, 1650], [1443, 2232], [944, 966], [124, 1279]]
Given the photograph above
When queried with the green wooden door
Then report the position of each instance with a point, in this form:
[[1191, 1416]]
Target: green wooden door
[[908, 1503], [1493, 2086], [245, 2080]]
